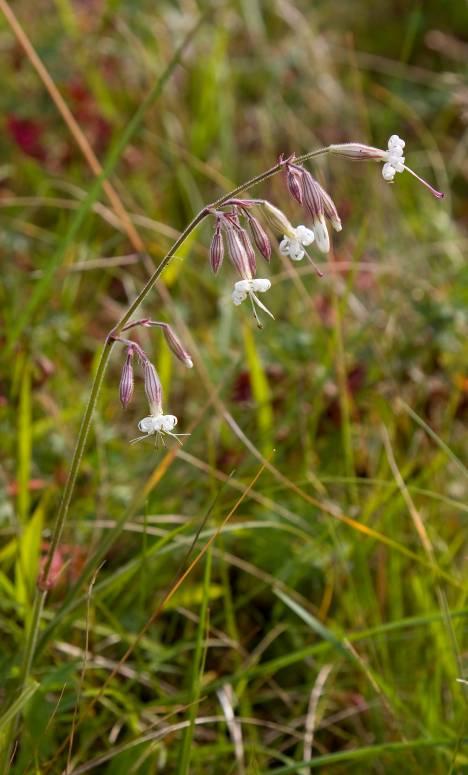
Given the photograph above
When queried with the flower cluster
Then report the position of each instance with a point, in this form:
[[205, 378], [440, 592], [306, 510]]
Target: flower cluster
[[241, 251], [240, 231], [318, 205], [156, 423]]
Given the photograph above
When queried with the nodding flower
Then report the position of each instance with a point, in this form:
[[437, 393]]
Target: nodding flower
[[237, 249], [294, 246], [313, 203], [249, 288], [156, 423], [318, 203], [393, 159], [159, 425]]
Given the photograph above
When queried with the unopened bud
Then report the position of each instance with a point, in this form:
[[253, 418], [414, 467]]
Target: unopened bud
[[251, 258], [312, 196], [277, 219], [330, 210], [127, 380], [260, 236], [153, 388], [217, 250], [357, 152], [237, 251], [176, 346], [294, 182]]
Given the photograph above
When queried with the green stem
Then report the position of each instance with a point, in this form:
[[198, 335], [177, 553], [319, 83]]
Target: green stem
[[41, 594]]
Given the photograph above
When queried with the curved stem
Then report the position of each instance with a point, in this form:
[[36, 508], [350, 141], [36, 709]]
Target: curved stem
[[41, 593]]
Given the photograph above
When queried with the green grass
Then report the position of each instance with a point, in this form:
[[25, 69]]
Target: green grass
[[346, 558]]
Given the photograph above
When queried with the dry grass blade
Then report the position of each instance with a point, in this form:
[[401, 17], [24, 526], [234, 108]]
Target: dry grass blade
[[311, 718]]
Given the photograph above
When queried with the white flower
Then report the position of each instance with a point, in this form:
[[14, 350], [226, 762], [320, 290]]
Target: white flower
[[394, 159], [157, 423], [294, 246], [160, 424], [244, 288]]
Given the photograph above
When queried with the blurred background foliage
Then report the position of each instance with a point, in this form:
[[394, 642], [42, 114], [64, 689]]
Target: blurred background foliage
[[298, 625]]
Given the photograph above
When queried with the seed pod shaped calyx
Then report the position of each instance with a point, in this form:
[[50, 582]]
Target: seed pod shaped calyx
[[127, 380], [217, 249], [176, 346], [260, 236], [153, 388]]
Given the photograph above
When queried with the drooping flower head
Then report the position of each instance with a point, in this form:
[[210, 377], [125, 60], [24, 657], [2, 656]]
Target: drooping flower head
[[156, 423], [294, 246], [318, 204], [393, 159], [250, 288]]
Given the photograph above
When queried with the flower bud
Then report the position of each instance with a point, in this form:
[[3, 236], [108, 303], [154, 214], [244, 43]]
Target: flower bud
[[153, 388], [277, 219], [176, 346], [260, 236], [237, 251], [294, 182], [250, 252], [357, 152], [217, 250], [329, 209], [312, 196], [127, 380]]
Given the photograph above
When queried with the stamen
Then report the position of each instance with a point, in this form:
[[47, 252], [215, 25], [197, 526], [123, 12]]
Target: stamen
[[261, 305], [138, 438], [317, 271], [176, 436], [434, 192], [259, 324]]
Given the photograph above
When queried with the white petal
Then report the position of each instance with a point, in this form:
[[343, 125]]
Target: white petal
[[298, 253], [241, 286], [284, 246], [238, 297], [388, 172], [168, 422], [396, 141], [304, 235], [261, 285], [395, 160], [147, 424], [321, 235]]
